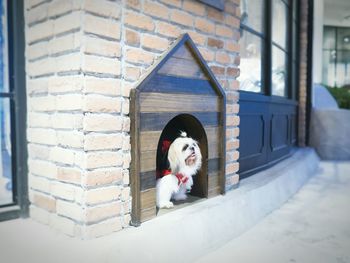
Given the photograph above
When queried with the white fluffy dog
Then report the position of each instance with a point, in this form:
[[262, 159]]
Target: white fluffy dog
[[185, 160]]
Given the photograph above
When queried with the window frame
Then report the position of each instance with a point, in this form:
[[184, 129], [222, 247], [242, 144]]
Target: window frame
[[17, 96], [268, 44]]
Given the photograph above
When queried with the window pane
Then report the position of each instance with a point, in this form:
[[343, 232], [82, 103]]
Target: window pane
[[343, 38], [250, 67], [343, 69], [252, 14], [4, 87], [279, 23], [329, 38], [328, 67], [5, 153], [279, 72]]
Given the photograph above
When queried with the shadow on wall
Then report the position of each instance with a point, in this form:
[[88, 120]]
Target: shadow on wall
[[329, 127]]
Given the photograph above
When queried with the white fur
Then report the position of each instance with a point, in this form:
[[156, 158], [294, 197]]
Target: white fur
[[167, 186]]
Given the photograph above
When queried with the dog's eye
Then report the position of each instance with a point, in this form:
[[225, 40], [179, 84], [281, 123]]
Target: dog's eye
[[185, 148]]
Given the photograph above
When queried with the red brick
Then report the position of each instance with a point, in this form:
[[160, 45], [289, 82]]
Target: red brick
[[233, 84], [223, 58], [194, 7], [132, 37], [155, 9], [215, 14], [218, 70], [133, 4], [232, 46], [233, 72], [139, 21], [182, 18], [232, 96], [232, 120], [205, 26], [224, 31], [213, 42], [176, 3], [232, 168], [168, 30], [154, 42], [197, 38]]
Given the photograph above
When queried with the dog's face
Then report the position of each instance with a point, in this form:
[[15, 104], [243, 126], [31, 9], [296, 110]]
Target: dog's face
[[185, 156]]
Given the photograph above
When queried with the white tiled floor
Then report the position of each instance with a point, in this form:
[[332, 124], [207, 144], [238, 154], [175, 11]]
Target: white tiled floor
[[312, 227]]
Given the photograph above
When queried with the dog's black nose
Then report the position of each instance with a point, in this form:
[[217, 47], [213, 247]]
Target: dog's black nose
[[192, 148]]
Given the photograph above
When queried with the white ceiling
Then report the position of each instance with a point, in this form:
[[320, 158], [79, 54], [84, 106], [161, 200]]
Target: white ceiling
[[336, 12]]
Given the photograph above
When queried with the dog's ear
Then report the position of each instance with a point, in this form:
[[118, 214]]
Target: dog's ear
[[173, 161]]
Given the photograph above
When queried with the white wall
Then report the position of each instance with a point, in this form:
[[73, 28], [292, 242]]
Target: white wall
[[317, 41], [336, 12]]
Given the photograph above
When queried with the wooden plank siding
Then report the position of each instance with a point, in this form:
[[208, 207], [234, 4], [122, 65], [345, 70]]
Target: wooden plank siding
[[150, 121], [147, 214], [135, 154], [174, 84], [183, 64], [148, 198], [182, 68], [184, 52], [167, 102]]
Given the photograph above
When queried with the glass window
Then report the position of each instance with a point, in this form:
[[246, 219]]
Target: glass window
[[336, 56], [343, 68], [250, 67], [258, 50], [329, 38], [279, 72], [4, 87], [5, 116], [251, 42], [343, 38], [279, 23], [328, 67], [5, 153], [252, 12]]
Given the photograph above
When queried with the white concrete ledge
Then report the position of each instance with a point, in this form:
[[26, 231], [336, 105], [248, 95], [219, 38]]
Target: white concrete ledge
[[183, 235], [179, 236]]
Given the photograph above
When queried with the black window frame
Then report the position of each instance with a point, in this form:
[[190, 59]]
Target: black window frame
[[266, 50], [17, 95]]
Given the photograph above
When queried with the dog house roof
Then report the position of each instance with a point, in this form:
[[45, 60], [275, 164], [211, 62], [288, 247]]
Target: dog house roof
[[181, 70]]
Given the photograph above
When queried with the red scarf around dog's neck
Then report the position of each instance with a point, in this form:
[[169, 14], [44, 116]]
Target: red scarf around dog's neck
[[182, 179]]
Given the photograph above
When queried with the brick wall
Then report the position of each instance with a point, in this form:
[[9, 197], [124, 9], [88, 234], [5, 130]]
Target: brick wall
[[82, 59], [303, 57]]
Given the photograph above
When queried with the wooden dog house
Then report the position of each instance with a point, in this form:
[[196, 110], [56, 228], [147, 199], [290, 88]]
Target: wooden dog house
[[180, 93]]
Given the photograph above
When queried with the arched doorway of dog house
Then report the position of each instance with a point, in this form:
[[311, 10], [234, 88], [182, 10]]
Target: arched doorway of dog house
[[195, 130]]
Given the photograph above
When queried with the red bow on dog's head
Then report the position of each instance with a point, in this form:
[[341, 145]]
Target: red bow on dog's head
[[165, 146]]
